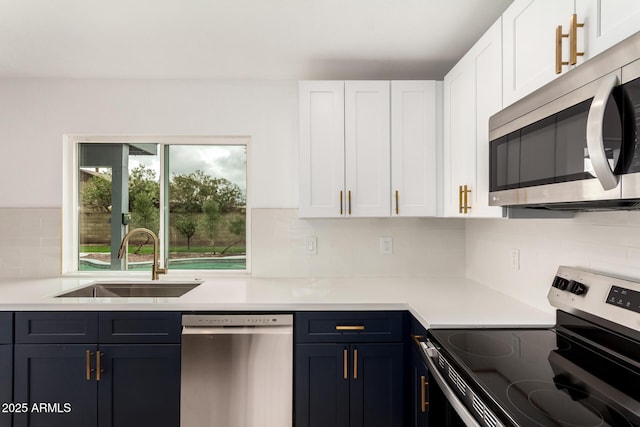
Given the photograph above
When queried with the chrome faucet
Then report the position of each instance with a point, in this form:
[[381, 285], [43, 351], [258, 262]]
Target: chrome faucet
[[155, 268]]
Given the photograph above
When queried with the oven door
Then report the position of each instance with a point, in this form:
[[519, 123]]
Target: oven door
[[572, 149], [445, 408]]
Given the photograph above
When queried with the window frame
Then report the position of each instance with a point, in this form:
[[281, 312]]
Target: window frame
[[70, 247]]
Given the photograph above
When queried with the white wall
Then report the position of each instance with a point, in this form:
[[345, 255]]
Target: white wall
[[35, 114], [608, 242]]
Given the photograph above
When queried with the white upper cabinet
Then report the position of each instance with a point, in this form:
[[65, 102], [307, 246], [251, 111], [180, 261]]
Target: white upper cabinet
[[367, 148], [607, 22], [529, 43], [472, 93], [321, 148], [356, 137], [414, 133]]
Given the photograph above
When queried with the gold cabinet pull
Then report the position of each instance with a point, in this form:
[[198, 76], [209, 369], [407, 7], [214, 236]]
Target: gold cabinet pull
[[87, 362], [423, 393], [345, 371], [559, 62], [355, 363], [341, 204], [466, 192], [349, 198], [460, 199], [573, 40], [349, 327], [98, 363], [397, 207], [416, 338]]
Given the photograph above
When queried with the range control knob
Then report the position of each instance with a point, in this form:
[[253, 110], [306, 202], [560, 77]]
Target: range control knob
[[578, 288], [560, 283]]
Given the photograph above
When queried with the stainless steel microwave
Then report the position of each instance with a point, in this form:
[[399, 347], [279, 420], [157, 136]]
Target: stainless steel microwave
[[572, 144]]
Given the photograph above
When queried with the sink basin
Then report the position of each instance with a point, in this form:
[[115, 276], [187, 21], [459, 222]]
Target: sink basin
[[153, 289]]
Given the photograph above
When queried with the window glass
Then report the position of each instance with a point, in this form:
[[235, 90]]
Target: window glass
[[207, 206], [204, 205]]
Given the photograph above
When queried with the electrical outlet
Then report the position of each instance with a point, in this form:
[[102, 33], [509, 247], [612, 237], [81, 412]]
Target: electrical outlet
[[386, 245], [311, 245], [515, 259]]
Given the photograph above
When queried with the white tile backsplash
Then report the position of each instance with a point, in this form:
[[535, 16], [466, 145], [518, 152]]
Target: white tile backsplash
[[29, 242], [350, 247], [608, 242]]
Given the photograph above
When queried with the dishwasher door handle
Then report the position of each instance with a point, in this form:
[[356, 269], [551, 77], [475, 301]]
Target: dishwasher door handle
[[236, 330]]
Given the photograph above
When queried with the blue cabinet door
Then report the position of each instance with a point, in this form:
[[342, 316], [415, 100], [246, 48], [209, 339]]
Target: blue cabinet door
[[140, 386], [419, 389], [321, 397], [6, 382], [377, 385], [57, 384]]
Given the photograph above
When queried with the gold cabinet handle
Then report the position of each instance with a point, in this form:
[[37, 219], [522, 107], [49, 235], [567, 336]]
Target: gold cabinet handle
[[573, 39], [423, 393], [460, 199], [466, 192], [87, 362], [416, 338], [349, 327], [397, 207], [98, 363], [559, 62], [345, 356], [349, 198], [341, 204], [355, 363]]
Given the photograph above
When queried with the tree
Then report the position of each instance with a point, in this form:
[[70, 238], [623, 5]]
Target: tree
[[96, 193], [186, 226], [143, 183], [189, 192], [210, 220], [237, 226]]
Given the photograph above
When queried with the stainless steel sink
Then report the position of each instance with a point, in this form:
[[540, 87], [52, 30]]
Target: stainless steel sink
[[155, 289]]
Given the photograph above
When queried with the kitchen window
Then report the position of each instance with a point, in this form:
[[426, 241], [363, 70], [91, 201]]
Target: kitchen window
[[190, 191]]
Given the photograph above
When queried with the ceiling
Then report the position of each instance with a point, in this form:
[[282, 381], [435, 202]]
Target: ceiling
[[239, 39]]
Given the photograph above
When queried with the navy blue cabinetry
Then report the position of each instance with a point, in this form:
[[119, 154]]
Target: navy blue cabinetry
[[349, 369], [85, 369], [6, 366], [419, 378]]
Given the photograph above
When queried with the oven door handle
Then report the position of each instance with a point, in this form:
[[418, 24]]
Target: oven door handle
[[595, 139], [461, 410]]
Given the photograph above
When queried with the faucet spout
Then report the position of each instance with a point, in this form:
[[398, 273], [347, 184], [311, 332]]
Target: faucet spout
[[155, 267]]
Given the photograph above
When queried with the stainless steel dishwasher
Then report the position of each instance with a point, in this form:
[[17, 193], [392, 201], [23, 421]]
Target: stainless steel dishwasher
[[237, 370]]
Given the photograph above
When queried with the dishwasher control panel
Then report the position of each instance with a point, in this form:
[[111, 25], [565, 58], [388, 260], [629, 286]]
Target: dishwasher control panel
[[222, 320]]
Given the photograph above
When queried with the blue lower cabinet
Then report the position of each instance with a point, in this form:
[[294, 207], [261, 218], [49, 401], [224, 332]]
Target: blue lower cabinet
[[96, 383], [140, 386], [321, 385], [54, 386], [354, 385], [6, 384]]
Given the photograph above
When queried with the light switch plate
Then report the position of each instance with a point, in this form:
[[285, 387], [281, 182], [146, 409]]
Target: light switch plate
[[386, 245], [311, 245]]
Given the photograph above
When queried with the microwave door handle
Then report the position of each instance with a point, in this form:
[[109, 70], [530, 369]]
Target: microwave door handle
[[595, 140]]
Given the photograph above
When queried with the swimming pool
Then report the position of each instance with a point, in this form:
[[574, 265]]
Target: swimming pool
[[227, 263]]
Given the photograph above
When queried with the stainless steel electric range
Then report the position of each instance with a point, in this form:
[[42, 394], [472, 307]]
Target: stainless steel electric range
[[584, 372]]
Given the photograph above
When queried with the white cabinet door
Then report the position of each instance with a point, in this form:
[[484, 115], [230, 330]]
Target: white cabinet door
[[459, 115], [529, 44], [607, 22], [367, 148], [413, 147], [488, 64], [321, 149], [472, 93]]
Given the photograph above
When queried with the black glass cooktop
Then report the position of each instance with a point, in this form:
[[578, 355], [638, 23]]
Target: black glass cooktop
[[538, 377]]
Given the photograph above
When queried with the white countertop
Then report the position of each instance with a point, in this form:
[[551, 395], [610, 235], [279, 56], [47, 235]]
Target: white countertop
[[435, 302]]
